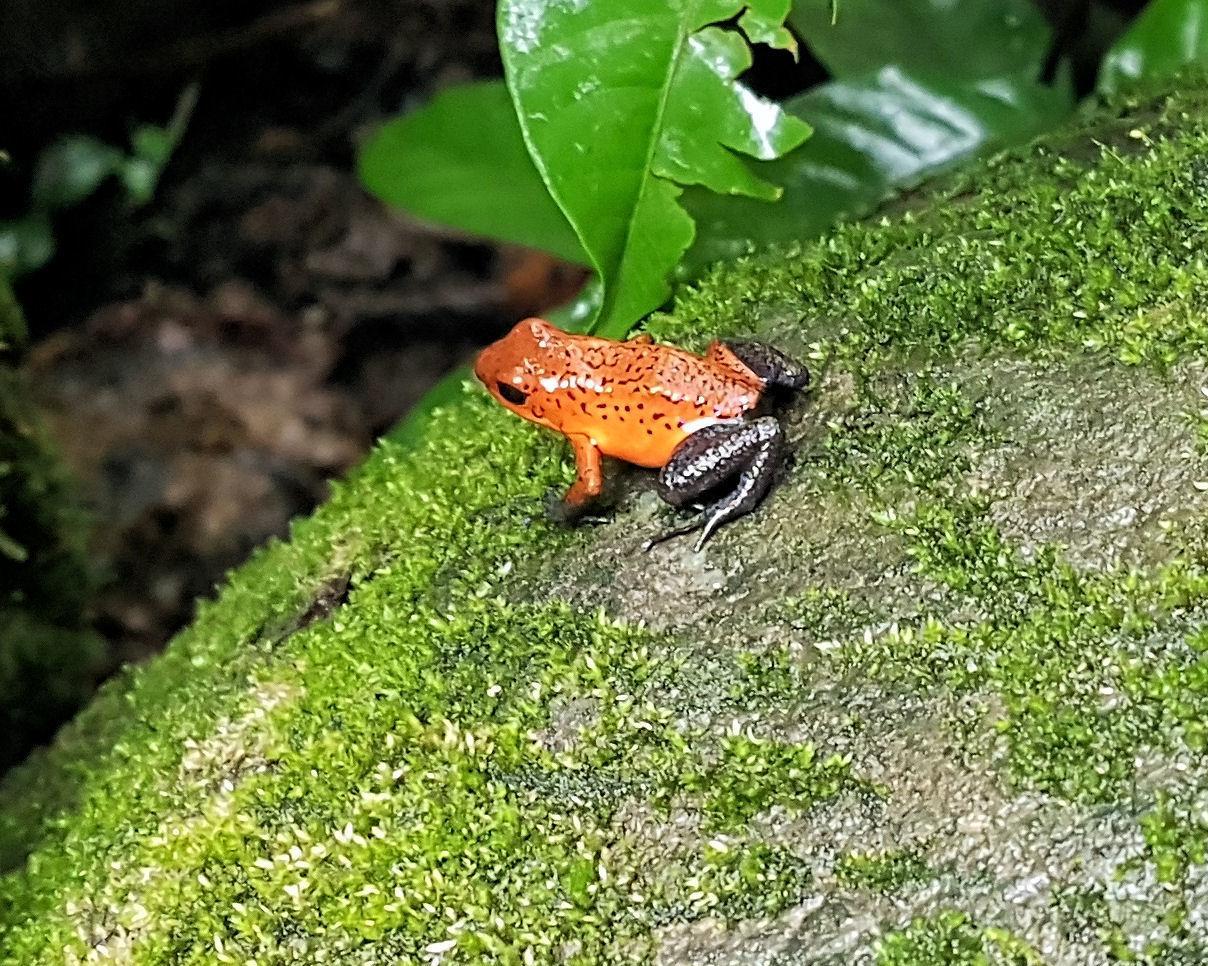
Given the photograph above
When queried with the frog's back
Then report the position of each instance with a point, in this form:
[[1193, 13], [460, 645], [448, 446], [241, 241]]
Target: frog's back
[[638, 400]]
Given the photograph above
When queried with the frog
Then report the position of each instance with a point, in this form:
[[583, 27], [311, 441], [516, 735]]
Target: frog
[[698, 420]]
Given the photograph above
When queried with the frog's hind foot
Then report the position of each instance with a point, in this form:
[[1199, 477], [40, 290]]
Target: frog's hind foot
[[746, 452], [771, 365]]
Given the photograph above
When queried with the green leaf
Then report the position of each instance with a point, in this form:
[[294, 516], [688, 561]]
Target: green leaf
[[873, 135], [71, 169], [140, 173], [461, 161], [11, 549], [952, 38], [577, 314], [764, 24], [25, 244], [624, 103], [12, 321], [153, 144], [139, 177], [1167, 36], [152, 147]]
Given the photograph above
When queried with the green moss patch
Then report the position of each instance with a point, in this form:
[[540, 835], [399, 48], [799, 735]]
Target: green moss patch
[[883, 872], [1086, 669], [951, 938]]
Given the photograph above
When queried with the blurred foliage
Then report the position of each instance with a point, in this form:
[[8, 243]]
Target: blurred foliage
[[12, 322], [72, 169], [49, 659]]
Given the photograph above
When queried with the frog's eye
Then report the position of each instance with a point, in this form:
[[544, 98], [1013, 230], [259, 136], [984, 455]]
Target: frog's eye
[[511, 393]]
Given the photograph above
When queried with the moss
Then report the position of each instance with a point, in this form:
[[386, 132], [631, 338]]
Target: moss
[[380, 745], [1176, 837], [400, 764], [753, 775], [1087, 911], [951, 938], [1034, 250], [1199, 425], [913, 435], [751, 881], [1088, 669], [882, 872], [1175, 832]]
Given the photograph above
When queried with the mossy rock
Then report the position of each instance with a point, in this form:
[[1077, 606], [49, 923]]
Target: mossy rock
[[942, 700]]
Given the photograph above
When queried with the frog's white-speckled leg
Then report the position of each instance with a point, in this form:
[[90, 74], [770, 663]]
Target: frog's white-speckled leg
[[745, 452]]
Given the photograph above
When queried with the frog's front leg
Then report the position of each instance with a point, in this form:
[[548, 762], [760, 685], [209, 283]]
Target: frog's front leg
[[589, 480], [745, 452]]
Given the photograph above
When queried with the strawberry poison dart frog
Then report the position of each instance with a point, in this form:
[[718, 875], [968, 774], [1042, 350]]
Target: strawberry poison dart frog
[[691, 417]]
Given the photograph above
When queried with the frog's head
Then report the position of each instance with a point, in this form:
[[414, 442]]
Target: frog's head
[[511, 368]]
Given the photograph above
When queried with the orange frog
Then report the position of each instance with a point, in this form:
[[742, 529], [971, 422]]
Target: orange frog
[[691, 417]]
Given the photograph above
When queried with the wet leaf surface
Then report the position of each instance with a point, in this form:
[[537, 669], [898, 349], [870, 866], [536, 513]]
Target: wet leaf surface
[[624, 103], [953, 38], [1167, 36], [873, 135]]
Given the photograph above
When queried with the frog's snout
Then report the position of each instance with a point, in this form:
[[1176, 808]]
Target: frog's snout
[[504, 359]]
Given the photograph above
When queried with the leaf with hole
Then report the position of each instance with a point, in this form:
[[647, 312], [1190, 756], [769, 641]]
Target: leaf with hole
[[625, 103]]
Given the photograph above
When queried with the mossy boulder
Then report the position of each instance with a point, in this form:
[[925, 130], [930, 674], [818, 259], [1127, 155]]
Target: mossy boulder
[[942, 700]]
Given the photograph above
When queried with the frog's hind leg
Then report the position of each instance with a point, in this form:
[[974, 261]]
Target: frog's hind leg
[[745, 452], [771, 365]]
